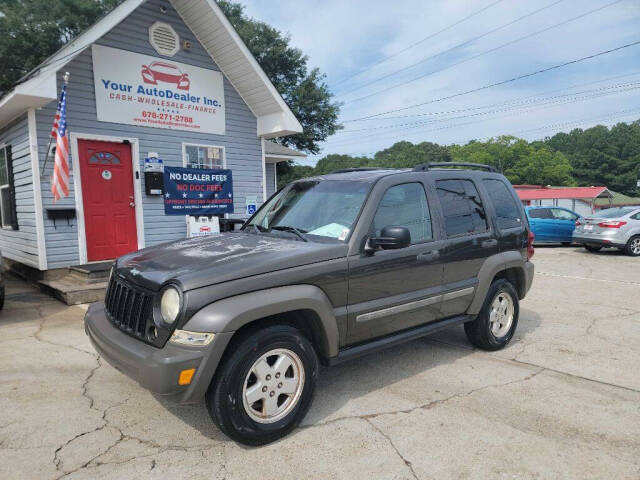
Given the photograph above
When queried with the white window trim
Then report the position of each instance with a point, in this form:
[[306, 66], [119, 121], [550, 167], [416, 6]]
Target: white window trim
[[3, 146], [77, 183], [203, 145]]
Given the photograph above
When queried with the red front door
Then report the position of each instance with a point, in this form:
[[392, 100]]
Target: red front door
[[107, 196]]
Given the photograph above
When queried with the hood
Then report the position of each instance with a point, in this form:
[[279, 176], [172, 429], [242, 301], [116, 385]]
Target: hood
[[204, 261]]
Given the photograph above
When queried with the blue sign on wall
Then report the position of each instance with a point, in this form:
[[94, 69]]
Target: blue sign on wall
[[194, 191]]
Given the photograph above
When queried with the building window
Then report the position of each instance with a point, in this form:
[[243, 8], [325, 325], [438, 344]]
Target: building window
[[8, 215], [203, 156]]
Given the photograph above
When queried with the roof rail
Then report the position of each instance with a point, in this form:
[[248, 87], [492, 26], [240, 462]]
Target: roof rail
[[423, 167], [357, 169]]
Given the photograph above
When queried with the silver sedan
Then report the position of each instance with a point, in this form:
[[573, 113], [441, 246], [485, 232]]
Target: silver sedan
[[614, 227]]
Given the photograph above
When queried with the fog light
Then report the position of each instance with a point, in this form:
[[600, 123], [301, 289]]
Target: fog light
[[193, 339], [185, 376]]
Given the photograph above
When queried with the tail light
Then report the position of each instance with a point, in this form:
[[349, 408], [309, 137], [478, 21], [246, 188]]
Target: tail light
[[530, 251], [612, 224], [578, 222]]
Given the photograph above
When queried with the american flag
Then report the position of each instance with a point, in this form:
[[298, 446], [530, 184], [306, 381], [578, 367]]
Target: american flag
[[60, 179]]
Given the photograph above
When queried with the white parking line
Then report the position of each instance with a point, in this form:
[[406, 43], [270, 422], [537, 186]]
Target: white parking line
[[587, 278]]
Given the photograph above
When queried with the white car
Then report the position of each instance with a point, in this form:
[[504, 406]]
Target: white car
[[613, 227]]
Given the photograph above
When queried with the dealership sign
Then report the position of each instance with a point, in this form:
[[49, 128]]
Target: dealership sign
[[196, 191], [152, 92]]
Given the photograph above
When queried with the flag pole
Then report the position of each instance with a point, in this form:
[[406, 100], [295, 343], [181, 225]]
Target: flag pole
[[65, 79]]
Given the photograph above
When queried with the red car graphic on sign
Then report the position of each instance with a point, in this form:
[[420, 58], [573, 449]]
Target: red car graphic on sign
[[167, 73]]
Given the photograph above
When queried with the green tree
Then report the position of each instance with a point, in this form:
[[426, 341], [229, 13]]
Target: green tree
[[603, 156], [304, 90], [541, 167], [31, 30]]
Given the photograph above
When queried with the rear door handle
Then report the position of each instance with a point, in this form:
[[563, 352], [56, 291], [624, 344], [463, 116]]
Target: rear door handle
[[489, 243], [428, 256]]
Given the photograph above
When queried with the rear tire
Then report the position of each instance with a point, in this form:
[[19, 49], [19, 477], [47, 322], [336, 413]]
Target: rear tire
[[633, 246], [496, 323], [593, 248], [255, 401], [1, 297]]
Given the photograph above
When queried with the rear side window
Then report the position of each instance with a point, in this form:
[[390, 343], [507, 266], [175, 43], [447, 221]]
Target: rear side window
[[540, 213], [406, 206], [560, 214], [507, 211], [461, 206]]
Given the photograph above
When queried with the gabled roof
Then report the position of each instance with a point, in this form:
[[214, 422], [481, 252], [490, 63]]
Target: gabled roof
[[213, 31], [275, 149], [545, 193]]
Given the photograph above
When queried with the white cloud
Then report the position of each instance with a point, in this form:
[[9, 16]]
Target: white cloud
[[341, 38]]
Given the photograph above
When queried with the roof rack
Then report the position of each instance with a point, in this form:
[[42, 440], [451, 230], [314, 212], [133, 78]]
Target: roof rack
[[423, 167], [357, 169]]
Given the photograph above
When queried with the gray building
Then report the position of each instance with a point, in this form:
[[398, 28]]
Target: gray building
[[159, 78]]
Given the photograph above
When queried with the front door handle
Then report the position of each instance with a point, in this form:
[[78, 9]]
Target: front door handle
[[131, 204], [428, 256], [489, 243]]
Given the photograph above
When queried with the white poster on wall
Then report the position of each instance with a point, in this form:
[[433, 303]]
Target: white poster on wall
[[148, 91]]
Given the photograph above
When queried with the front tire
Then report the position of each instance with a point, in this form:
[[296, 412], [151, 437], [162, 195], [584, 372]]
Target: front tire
[[593, 248], [265, 386], [496, 323], [633, 246]]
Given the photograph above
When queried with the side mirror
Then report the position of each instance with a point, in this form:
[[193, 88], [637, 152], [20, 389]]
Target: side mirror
[[391, 238]]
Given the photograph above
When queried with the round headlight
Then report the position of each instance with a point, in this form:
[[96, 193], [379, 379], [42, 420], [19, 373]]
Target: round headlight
[[170, 305]]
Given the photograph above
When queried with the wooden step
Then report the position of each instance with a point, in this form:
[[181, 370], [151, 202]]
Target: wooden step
[[73, 291]]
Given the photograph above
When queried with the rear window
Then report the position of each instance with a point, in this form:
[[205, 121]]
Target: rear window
[[540, 213], [507, 210], [615, 212], [461, 206]]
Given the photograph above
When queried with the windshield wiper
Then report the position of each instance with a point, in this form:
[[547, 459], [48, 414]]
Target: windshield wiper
[[294, 230]]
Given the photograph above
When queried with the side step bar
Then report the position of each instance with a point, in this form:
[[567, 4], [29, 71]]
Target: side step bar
[[356, 351]]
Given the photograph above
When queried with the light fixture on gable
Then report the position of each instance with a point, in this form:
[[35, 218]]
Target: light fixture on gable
[[164, 39]]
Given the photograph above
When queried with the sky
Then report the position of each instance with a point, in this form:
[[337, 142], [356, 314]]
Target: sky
[[380, 56]]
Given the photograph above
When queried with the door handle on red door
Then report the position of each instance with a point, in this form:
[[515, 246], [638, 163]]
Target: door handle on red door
[[489, 243], [428, 256], [131, 204]]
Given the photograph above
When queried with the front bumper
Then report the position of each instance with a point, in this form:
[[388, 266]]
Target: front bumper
[[156, 369], [599, 240]]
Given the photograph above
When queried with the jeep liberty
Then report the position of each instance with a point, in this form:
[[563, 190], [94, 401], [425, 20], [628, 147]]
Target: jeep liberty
[[328, 269]]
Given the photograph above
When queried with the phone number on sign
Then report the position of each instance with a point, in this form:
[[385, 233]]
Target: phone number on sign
[[167, 116]]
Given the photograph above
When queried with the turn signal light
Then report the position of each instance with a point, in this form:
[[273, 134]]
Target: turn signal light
[[611, 224], [186, 376]]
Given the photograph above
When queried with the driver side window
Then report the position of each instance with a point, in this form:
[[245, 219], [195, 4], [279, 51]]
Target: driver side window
[[405, 206]]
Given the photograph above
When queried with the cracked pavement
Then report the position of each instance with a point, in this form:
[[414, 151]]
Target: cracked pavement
[[561, 401]]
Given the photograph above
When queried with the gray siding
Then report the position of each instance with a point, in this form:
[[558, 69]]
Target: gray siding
[[242, 146], [271, 178], [20, 245]]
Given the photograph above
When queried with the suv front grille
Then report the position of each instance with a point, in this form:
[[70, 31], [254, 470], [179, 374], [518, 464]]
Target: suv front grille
[[128, 307]]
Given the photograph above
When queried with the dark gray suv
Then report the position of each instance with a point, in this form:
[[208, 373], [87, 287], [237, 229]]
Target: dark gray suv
[[328, 269]]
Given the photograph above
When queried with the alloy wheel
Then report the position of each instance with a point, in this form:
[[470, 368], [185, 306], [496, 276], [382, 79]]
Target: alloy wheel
[[273, 386], [501, 314]]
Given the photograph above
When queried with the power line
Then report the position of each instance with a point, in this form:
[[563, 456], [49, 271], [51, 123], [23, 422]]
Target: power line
[[398, 130], [466, 42], [448, 27], [491, 50], [502, 82], [515, 100], [621, 113], [556, 99]]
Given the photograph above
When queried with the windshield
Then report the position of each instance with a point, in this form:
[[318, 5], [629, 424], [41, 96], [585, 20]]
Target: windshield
[[323, 208], [615, 212]]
